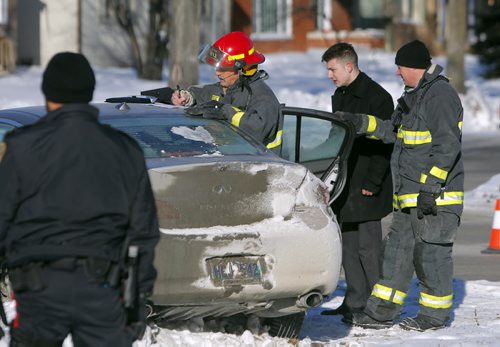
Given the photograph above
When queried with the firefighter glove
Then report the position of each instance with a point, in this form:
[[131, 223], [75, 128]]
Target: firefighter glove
[[355, 119], [426, 204], [211, 109]]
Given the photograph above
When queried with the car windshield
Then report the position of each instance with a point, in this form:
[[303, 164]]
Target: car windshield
[[170, 137]]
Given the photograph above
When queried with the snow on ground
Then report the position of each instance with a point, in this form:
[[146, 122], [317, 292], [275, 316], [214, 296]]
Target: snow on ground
[[299, 79]]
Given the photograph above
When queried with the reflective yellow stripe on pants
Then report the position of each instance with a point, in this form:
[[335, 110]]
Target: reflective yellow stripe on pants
[[389, 294], [436, 301]]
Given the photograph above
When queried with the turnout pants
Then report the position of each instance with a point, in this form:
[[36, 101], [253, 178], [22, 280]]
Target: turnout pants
[[424, 245], [68, 302], [361, 243]]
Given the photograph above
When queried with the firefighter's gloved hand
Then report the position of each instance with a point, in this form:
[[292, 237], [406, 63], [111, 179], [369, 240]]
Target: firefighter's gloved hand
[[211, 109], [355, 118], [426, 204]]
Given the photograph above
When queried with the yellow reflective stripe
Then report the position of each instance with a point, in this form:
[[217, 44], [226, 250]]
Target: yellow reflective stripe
[[410, 200], [385, 293], [439, 173], [277, 140], [460, 126], [407, 200], [373, 137], [216, 97], [436, 301], [372, 124], [241, 56], [236, 119], [423, 178], [450, 198], [395, 204], [415, 137]]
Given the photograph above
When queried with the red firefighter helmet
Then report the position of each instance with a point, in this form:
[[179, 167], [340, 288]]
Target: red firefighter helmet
[[231, 51]]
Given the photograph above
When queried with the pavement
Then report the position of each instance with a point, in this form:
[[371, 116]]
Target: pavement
[[481, 155]]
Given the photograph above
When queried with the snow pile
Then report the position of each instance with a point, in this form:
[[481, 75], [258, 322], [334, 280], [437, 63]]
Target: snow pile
[[483, 198]]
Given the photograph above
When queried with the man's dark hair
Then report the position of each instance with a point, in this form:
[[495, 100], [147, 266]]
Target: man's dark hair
[[343, 51]]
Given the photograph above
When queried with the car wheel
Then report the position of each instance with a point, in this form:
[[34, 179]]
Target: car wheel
[[285, 326]]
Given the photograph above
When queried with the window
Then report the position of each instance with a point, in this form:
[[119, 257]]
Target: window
[[370, 14], [324, 16], [272, 19], [4, 12], [318, 139], [410, 11], [164, 138]]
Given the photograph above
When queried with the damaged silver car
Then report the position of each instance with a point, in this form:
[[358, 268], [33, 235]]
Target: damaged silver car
[[246, 234]]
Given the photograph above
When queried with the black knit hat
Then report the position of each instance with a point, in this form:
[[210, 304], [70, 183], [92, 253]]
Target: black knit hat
[[68, 78], [414, 54]]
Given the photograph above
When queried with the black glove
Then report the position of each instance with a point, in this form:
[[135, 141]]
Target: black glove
[[426, 204], [355, 119], [211, 109]]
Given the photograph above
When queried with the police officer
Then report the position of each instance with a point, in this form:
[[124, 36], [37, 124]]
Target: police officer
[[428, 179], [72, 192], [241, 96]]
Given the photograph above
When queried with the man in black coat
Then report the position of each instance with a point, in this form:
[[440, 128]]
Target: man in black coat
[[73, 194], [367, 196]]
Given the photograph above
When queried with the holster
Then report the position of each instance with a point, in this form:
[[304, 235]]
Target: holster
[[27, 278]]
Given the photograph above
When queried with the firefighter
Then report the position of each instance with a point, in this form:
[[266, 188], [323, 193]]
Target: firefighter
[[73, 191], [241, 96], [428, 179]]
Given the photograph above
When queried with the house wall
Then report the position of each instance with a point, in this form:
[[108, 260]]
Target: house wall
[[45, 28], [58, 28], [304, 33], [103, 41]]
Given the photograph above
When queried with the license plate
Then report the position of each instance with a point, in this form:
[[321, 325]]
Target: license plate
[[234, 271]]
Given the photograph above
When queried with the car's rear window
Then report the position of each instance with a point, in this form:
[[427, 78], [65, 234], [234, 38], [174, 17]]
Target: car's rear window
[[168, 137]]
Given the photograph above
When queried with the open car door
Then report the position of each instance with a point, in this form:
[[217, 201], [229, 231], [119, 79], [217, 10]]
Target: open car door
[[321, 142]]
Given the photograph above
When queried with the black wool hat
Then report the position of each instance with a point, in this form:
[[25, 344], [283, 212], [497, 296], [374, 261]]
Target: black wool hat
[[68, 78], [414, 54]]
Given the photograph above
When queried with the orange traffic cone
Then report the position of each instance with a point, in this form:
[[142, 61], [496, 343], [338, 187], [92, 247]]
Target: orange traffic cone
[[495, 232]]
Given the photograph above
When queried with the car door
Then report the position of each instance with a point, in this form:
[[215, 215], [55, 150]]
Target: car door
[[320, 141]]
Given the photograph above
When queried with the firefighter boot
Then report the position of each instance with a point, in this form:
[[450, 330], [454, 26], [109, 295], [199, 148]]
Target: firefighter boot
[[421, 323]]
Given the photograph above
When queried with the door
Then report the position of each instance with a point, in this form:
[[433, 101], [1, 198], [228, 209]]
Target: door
[[320, 141]]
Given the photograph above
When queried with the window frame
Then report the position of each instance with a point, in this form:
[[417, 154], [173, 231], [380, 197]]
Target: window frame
[[257, 20]]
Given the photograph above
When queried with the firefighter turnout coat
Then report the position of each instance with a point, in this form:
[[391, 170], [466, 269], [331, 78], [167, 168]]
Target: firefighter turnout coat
[[250, 105], [427, 143]]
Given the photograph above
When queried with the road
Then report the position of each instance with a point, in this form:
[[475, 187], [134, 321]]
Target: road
[[481, 155]]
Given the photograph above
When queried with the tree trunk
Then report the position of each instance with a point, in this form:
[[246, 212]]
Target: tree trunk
[[456, 41], [124, 17], [184, 42], [156, 47]]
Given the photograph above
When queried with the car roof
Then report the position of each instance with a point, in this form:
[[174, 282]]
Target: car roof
[[31, 114], [28, 115]]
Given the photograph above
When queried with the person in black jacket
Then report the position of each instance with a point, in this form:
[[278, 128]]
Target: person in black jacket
[[73, 194], [367, 196]]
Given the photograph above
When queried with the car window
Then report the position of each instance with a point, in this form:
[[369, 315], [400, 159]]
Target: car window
[[4, 128], [168, 137], [317, 139]]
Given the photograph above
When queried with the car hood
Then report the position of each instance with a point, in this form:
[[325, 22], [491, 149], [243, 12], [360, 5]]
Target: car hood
[[226, 193]]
